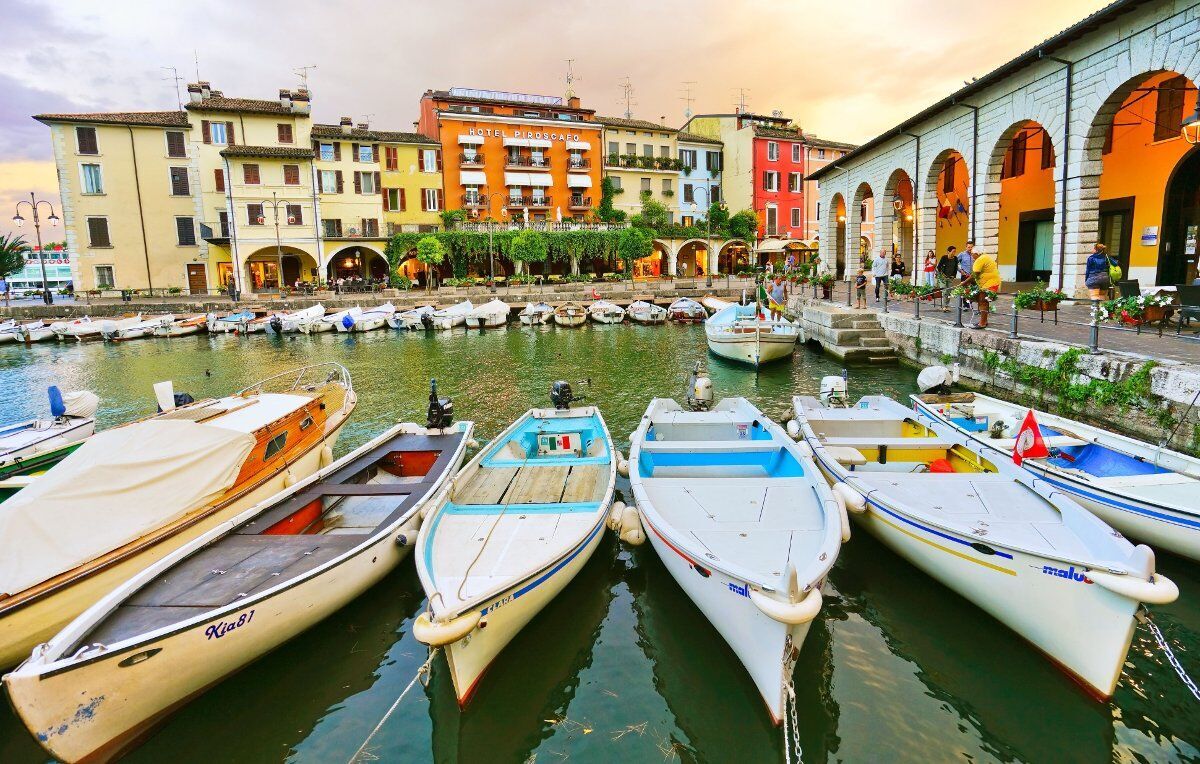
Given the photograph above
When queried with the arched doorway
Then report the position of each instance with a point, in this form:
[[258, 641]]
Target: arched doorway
[[734, 256], [1023, 162], [1181, 223], [358, 263], [838, 209], [861, 221], [949, 184], [651, 266], [692, 259], [899, 217], [265, 267]]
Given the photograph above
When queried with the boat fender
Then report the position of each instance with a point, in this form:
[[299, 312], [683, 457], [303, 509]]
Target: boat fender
[[631, 527], [1159, 590], [842, 515], [791, 613], [326, 456], [403, 539], [472, 443], [289, 479], [441, 633], [793, 429], [614, 516], [622, 466], [804, 449], [855, 501]]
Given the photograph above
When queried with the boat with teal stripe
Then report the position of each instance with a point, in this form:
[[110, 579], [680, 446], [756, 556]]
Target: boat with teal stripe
[[519, 522]]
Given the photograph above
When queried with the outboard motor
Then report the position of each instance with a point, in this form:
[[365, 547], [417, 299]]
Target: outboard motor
[[833, 391], [183, 399], [441, 410], [427, 321], [276, 324], [561, 395], [700, 390], [934, 380]]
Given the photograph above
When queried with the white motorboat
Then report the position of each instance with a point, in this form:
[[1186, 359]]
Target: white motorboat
[[64, 330], [328, 321], [289, 323], [36, 445], [177, 628], [685, 310], [1017, 547], [1150, 493], [745, 523], [228, 323], [519, 522], [144, 328], [605, 312], [742, 333], [181, 327], [455, 315], [642, 312], [536, 314], [714, 304], [570, 314], [93, 330], [416, 318], [34, 331], [255, 324], [489, 315], [367, 320]]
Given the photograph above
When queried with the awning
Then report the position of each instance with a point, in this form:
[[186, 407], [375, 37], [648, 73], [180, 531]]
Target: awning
[[538, 143], [516, 179], [774, 245], [516, 141], [540, 180], [578, 145], [579, 181], [472, 178], [474, 140]]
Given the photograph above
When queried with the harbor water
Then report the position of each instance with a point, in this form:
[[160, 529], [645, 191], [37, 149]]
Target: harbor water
[[621, 666]]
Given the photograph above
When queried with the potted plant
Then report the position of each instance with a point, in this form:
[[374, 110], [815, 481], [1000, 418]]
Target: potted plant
[[825, 281], [1040, 298], [971, 292], [1133, 311]]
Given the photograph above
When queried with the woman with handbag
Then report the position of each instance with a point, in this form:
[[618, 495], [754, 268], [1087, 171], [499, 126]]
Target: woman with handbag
[[1098, 273]]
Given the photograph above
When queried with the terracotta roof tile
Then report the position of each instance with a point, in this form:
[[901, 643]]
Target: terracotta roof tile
[[694, 138], [140, 118], [784, 133], [221, 103], [267, 152], [634, 124], [383, 136]]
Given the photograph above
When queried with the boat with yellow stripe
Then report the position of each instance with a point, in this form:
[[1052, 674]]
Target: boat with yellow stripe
[[1019, 549]]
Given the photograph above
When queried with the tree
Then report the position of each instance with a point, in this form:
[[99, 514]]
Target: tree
[[718, 216], [605, 211], [654, 214], [744, 225], [529, 247], [430, 252], [451, 218], [634, 244], [13, 250]]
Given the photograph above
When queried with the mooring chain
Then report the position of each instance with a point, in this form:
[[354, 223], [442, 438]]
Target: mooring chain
[[791, 737], [1144, 617], [424, 671]]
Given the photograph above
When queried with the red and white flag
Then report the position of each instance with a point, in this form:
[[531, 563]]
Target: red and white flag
[[595, 294], [1029, 443]]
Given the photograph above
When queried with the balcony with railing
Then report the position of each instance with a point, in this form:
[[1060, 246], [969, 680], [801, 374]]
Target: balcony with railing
[[578, 163], [524, 162], [580, 202], [550, 226], [533, 202], [470, 160], [474, 201]]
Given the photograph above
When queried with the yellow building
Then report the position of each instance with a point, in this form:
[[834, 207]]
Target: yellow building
[[641, 157]]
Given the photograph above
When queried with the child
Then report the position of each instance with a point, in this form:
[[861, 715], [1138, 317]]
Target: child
[[860, 286]]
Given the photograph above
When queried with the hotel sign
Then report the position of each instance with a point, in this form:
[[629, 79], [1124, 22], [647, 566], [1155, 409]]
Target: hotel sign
[[497, 132]]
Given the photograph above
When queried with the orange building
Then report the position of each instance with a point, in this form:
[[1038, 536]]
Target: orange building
[[515, 156]]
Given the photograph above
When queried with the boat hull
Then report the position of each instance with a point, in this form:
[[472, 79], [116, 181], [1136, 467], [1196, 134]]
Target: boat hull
[[753, 350], [577, 320], [535, 319], [486, 322]]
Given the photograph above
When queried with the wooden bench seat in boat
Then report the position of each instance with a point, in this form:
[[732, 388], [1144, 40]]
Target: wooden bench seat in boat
[[890, 442], [532, 484]]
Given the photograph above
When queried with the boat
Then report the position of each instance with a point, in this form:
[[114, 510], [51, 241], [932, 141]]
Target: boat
[[367, 320], [327, 322], [746, 525], [179, 627], [289, 323], [685, 310], [742, 333], [416, 318], [714, 304], [144, 328], [29, 448], [228, 323], [570, 314], [605, 312], [180, 327], [519, 522], [536, 314], [455, 315], [253, 324], [1148, 493], [489, 315], [642, 312], [1017, 547], [64, 330], [33, 331], [131, 495]]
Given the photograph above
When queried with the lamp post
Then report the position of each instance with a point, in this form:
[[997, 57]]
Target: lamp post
[[274, 204], [34, 203], [1191, 125], [491, 224], [707, 231]]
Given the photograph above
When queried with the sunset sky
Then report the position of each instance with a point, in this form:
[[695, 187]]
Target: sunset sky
[[845, 71]]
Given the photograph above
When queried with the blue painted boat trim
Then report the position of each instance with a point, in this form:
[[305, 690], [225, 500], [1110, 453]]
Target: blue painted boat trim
[[524, 509], [562, 563]]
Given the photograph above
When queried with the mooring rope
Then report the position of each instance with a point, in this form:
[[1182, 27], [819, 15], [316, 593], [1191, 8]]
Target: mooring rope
[[424, 670]]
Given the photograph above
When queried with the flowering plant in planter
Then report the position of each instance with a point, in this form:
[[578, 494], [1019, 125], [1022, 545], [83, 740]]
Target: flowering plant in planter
[[972, 292], [900, 288], [1132, 310], [1040, 297]]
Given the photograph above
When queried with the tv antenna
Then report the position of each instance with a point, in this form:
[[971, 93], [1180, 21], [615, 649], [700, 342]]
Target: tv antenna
[[687, 98], [627, 87], [572, 78], [302, 73], [196, 61], [175, 76], [366, 118], [742, 107]]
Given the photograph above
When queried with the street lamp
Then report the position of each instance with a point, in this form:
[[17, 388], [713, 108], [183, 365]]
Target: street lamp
[[491, 223], [707, 232], [1191, 125], [33, 203], [274, 205]]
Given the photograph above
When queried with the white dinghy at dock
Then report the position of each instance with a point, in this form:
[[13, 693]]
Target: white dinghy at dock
[[536, 314], [489, 315], [642, 312], [740, 333], [605, 312], [455, 315]]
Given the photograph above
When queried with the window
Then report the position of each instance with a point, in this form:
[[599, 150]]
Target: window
[[820, 153], [254, 214], [631, 149], [329, 184], [713, 161], [98, 232], [285, 133], [291, 175], [794, 181], [614, 148], [645, 186], [667, 190], [431, 199], [1014, 159], [294, 215], [772, 221], [332, 228], [795, 217], [948, 175], [370, 227], [772, 151], [770, 180], [796, 152], [92, 179], [664, 152], [365, 183], [393, 200], [327, 152], [223, 222], [219, 179], [176, 146], [250, 174], [818, 210], [104, 277], [179, 181], [716, 194], [687, 158], [689, 194], [616, 182], [275, 445], [1168, 119], [365, 154], [687, 220], [391, 157], [216, 132], [431, 160], [185, 231], [647, 150], [85, 140]]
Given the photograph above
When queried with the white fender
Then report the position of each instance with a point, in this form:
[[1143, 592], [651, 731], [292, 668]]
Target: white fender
[[793, 429], [614, 516], [843, 516], [804, 449], [441, 633], [1160, 590], [472, 443], [289, 479], [633, 536], [631, 527], [855, 501], [622, 466], [326, 456], [792, 613]]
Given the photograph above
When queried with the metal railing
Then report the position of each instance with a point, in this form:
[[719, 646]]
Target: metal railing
[[580, 201], [527, 201], [524, 161], [470, 160], [545, 225]]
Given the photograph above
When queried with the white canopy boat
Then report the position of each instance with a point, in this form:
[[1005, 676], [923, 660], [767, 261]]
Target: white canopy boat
[[289, 323], [740, 333], [229, 323], [132, 494], [274, 571], [714, 304], [416, 318], [745, 523], [536, 313], [570, 314], [327, 322], [35, 445], [455, 315], [489, 315], [643, 312], [144, 328], [64, 330], [685, 310], [367, 320], [1017, 547], [605, 312], [180, 327], [256, 323], [519, 522], [34, 331], [1147, 492]]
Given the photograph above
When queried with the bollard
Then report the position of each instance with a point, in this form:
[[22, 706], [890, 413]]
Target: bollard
[[1012, 327], [885, 296], [1095, 328], [958, 314], [917, 306], [850, 294]]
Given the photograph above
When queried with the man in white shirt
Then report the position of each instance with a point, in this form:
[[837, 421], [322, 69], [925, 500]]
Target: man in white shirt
[[880, 268], [966, 259]]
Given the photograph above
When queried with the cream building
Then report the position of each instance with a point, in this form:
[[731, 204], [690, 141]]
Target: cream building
[[641, 157]]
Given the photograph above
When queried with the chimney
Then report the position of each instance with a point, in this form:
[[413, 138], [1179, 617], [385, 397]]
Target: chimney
[[285, 99], [573, 102], [363, 126], [301, 101], [205, 89], [347, 125], [194, 94]]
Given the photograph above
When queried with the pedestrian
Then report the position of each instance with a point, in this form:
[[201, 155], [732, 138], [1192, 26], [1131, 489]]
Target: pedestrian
[[898, 269], [777, 298], [789, 263], [879, 271], [4, 288], [947, 272], [1096, 274], [930, 268], [986, 275], [966, 260], [860, 288], [769, 270]]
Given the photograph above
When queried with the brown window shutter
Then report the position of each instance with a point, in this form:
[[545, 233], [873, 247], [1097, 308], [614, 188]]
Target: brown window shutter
[[358, 182], [377, 183], [250, 174], [385, 202], [402, 201], [291, 174], [354, 147], [229, 133], [441, 202], [295, 214], [175, 145], [337, 151], [424, 201], [340, 186], [219, 176], [421, 161], [438, 155], [374, 152], [85, 139], [285, 133], [206, 131]]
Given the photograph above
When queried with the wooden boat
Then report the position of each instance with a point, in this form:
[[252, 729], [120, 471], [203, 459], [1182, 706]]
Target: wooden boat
[[741, 333], [605, 312], [30, 448], [93, 331], [133, 494], [685, 310], [233, 594], [329, 321], [228, 323], [416, 318], [1017, 547], [33, 331], [744, 522], [489, 315], [1150, 493], [519, 522], [570, 314], [455, 315], [536, 314], [289, 323], [181, 327], [63, 329], [643, 312], [144, 328], [367, 320]]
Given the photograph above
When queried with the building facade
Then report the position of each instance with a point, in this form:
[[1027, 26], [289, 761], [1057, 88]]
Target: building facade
[[700, 173], [641, 162]]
